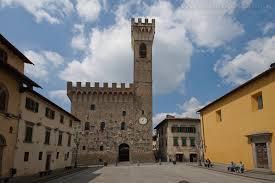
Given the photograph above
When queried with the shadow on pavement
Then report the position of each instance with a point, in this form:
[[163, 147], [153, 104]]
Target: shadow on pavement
[[79, 177]]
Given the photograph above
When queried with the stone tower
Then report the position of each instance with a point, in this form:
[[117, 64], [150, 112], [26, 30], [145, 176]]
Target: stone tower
[[117, 121], [142, 36]]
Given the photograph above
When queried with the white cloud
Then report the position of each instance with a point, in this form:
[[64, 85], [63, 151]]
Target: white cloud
[[268, 27], [48, 10], [211, 23], [109, 56], [258, 56], [79, 41], [45, 61], [188, 109], [60, 95], [89, 10]]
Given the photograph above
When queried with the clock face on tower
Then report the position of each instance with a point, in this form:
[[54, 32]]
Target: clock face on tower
[[142, 120]]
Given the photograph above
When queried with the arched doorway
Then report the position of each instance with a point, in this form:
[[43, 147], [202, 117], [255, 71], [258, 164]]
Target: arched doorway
[[2, 145], [193, 157], [123, 152]]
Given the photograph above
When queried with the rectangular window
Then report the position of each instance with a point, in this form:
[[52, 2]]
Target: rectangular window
[[83, 148], [174, 129], [47, 136], [60, 139], [40, 155], [257, 101], [67, 155], [28, 133], [61, 119], [175, 141], [92, 107], [69, 139], [183, 141], [57, 155], [26, 156], [101, 148], [31, 105], [49, 113], [71, 123], [219, 116], [192, 142]]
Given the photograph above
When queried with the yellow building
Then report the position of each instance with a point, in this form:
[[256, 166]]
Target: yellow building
[[240, 125]]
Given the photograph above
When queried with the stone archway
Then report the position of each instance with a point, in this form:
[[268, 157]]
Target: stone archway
[[2, 145], [123, 154]]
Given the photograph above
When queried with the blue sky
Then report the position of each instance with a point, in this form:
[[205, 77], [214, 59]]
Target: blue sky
[[202, 48]]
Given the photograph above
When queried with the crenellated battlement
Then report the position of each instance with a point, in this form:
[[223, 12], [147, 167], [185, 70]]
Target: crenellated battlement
[[140, 22], [142, 30], [105, 93], [88, 88]]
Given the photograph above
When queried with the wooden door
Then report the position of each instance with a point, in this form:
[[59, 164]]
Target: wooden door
[[48, 162], [261, 154], [179, 157]]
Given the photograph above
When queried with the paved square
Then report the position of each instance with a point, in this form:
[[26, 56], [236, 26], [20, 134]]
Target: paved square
[[165, 174]]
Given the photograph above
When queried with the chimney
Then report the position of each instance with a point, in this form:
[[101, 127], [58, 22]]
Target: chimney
[[272, 65]]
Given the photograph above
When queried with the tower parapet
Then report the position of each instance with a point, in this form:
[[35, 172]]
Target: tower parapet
[[88, 89], [142, 30]]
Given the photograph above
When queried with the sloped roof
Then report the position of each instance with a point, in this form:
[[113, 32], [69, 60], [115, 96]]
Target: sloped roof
[[53, 104], [175, 118], [18, 75], [14, 49]]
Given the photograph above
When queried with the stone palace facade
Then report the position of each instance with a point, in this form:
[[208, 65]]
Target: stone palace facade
[[117, 121]]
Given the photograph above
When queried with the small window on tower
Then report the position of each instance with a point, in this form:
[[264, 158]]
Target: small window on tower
[[142, 50], [123, 113], [92, 107], [102, 126], [122, 126]]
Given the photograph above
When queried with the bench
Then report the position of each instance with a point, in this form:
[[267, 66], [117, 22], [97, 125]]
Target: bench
[[68, 167], [44, 173], [4, 179]]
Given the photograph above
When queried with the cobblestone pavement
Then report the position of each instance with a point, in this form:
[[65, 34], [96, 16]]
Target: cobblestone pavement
[[165, 173]]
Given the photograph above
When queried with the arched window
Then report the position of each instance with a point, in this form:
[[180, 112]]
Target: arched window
[[2, 141], [3, 56], [122, 126], [4, 97], [11, 130], [102, 126], [142, 50], [87, 126]]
